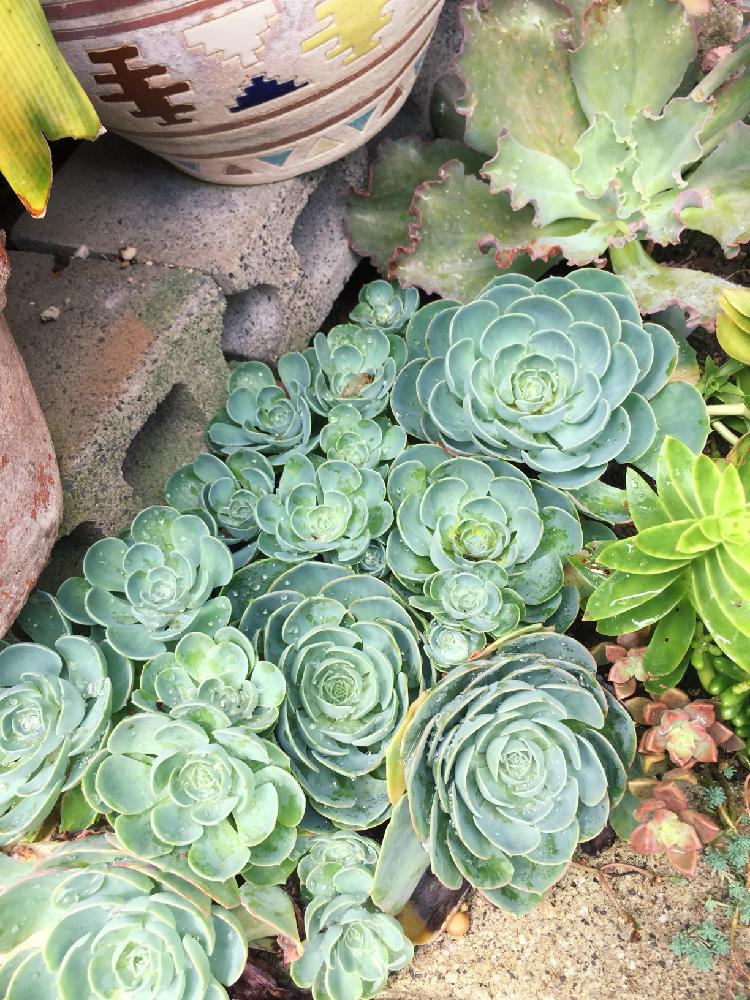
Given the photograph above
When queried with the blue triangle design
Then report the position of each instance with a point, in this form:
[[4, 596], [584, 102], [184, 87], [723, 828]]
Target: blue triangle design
[[278, 159], [360, 122], [263, 89]]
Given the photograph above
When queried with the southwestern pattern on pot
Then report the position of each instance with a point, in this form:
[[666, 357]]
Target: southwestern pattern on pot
[[245, 91]]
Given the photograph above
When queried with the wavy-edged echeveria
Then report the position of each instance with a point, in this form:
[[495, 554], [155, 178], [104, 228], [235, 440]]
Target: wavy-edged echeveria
[[385, 305], [351, 364], [271, 417], [350, 948], [350, 437], [229, 491], [333, 510], [456, 515], [560, 375], [223, 799], [689, 560], [352, 662], [89, 920], [55, 712], [217, 681], [339, 863], [505, 766], [151, 587]]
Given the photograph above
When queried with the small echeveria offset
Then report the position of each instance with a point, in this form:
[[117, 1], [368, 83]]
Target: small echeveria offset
[[271, 417], [385, 305], [350, 364], [350, 949], [229, 491], [89, 920], [560, 375], [335, 864], [56, 707], [221, 799], [481, 547], [368, 444], [352, 662], [503, 769], [217, 681], [333, 510], [152, 586], [690, 559]]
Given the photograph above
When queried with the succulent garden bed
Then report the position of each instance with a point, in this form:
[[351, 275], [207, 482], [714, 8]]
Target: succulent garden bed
[[454, 600]]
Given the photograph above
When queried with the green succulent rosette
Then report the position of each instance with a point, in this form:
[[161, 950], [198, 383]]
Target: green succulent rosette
[[350, 654], [479, 543], [560, 375], [228, 491], [350, 948], [220, 799], [217, 681], [56, 708], [373, 559], [152, 586], [89, 920], [385, 305], [504, 768], [335, 864], [333, 510], [351, 364], [271, 417], [347, 436]]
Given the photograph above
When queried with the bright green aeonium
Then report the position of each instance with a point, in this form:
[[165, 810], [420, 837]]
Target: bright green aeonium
[[222, 799], [215, 681]]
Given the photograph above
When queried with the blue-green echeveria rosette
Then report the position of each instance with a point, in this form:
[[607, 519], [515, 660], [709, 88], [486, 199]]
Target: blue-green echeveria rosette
[[507, 765], [90, 920], [385, 305], [220, 799], [56, 708], [480, 546], [351, 364], [335, 864], [350, 949], [227, 490], [368, 444], [352, 662], [217, 681], [271, 417], [152, 586], [334, 510], [560, 375]]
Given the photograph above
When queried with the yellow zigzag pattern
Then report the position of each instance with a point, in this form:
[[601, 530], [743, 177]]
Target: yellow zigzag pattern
[[353, 22]]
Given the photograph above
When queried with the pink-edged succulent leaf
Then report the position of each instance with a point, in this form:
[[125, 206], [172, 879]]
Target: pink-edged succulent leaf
[[667, 826], [378, 220], [679, 728], [450, 252], [704, 826], [657, 286], [634, 56], [627, 668], [515, 62], [725, 176]]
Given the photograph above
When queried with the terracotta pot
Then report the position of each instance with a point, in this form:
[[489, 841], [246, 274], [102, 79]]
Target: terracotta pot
[[245, 91], [30, 494]]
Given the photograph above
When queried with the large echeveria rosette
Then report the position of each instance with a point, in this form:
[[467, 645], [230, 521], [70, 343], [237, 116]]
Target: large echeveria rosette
[[506, 766], [560, 375], [56, 709], [351, 658], [151, 587], [220, 799], [481, 547]]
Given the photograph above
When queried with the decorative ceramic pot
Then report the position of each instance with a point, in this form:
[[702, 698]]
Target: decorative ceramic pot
[[245, 91]]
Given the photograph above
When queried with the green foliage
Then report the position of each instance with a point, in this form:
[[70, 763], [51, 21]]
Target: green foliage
[[56, 708], [168, 785], [507, 765], [560, 375], [689, 558], [593, 147]]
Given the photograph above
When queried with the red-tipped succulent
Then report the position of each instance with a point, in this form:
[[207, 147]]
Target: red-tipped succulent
[[626, 657], [667, 826], [685, 730]]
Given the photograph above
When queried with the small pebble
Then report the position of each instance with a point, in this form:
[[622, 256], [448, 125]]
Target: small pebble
[[128, 253], [82, 252], [50, 315], [457, 924]]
